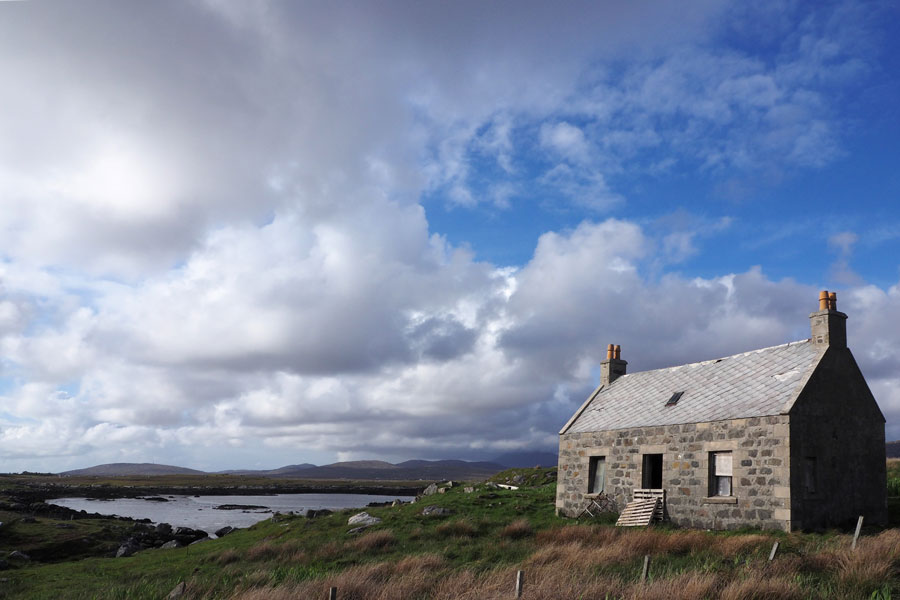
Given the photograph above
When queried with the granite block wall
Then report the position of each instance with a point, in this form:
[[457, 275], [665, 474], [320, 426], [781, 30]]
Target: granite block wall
[[760, 450]]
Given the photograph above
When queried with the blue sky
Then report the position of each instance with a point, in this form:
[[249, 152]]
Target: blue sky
[[249, 234]]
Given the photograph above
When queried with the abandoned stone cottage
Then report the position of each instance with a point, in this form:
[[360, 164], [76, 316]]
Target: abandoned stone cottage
[[787, 437]]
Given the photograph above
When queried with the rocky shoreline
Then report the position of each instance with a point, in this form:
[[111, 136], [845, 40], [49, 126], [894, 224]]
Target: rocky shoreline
[[48, 491]]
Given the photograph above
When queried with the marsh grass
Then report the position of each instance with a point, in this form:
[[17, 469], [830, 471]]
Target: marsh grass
[[475, 553]]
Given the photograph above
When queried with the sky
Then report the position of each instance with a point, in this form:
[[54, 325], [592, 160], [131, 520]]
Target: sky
[[240, 234]]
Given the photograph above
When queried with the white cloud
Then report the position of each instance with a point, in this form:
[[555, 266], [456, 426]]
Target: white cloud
[[213, 238], [566, 140]]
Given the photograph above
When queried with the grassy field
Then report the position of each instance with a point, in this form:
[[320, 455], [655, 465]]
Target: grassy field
[[474, 553]]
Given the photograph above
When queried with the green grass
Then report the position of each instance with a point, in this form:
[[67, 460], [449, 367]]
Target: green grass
[[490, 534]]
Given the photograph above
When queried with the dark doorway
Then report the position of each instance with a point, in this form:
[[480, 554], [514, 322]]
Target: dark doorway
[[651, 475]]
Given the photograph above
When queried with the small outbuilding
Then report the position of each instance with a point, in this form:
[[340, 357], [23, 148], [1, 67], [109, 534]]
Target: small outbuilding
[[788, 437]]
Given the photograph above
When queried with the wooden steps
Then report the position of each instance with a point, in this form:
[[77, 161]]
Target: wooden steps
[[638, 512]]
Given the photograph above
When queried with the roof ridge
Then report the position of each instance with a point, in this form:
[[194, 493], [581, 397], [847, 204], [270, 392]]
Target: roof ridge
[[714, 360]]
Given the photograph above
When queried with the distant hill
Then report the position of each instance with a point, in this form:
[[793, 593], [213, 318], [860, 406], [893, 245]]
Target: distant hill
[[893, 449], [526, 459], [264, 473], [125, 469], [409, 470]]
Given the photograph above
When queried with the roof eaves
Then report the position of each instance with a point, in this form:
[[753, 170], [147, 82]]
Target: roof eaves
[[801, 385], [578, 412]]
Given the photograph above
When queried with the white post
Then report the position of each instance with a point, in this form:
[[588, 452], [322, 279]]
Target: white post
[[520, 583], [646, 569], [856, 535]]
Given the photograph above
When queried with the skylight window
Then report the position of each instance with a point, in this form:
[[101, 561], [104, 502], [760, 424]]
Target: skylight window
[[674, 399]]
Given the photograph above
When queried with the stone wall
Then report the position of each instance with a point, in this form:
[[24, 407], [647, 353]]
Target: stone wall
[[837, 448], [760, 482]]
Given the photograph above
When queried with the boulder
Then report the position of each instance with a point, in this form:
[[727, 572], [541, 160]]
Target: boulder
[[201, 540], [16, 555], [164, 529], [430, 490], [128, 548], [177, 592], [171, 544], [186, 535], [468, 490], [436, 511], [356, 530], [224, 531], [316, 513], [363, 518]]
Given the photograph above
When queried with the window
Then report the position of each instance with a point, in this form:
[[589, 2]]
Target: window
[[674, 399], [597, 475], [651, 475], [720, 473], [809, 474]]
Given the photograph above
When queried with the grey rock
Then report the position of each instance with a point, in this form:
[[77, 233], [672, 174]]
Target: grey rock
[[430, 490], [436, 511], [177, 592], [15, 554], [316, 513], [468, 490], [224, 531], [171, 544], [164, 529], [356, 530], [127, 549], [200, 541], [363, 518]]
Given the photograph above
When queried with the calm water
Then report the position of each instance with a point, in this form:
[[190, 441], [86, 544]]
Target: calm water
[[200, 512]]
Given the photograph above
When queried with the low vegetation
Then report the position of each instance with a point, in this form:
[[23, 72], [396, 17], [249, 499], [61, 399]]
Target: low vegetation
[[475, 552]]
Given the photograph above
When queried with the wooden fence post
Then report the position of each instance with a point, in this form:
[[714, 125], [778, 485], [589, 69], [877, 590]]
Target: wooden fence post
[[856, 535], [646, 569], [520, 583], [774, 550], [332, 594]]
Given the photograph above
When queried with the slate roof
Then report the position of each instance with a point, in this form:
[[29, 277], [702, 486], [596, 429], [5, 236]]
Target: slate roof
[[753, 384]]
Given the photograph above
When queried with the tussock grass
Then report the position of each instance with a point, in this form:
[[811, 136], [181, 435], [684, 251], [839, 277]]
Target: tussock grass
[[475, 555], [517, 529], [755, 588], [456, 528], [376, 540], [227, 557]]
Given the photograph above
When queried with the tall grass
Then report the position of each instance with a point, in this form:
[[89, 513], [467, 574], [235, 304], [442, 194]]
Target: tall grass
[[893, 486]]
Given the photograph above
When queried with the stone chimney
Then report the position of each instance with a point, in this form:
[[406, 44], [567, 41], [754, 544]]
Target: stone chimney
[[828, 325], [613, 367]]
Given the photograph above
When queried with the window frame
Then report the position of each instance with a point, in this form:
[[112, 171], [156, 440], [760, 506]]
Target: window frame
[[718, 479], [594, 463]]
